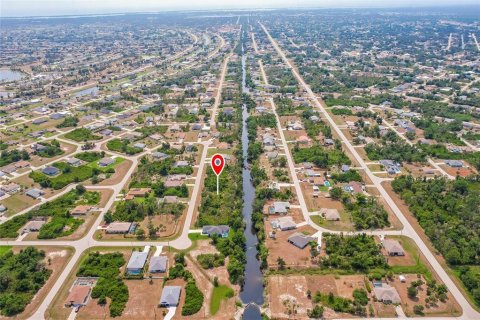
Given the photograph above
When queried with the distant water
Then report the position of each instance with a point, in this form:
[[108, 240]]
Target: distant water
[[7, 75]]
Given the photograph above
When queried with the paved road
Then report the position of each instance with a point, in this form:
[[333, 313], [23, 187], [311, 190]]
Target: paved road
[[218, 97], [468, 311]]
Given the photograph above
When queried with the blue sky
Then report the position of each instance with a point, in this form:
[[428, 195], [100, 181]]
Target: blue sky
[[9, 8]]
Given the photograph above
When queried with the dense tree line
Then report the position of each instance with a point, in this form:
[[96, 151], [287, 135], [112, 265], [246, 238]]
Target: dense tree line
[[449, 212], [110, 284], [21, 276]]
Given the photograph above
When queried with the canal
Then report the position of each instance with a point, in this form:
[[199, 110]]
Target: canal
[[252, 291]]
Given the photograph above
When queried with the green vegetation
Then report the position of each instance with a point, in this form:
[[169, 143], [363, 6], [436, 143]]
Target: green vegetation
[[109, 285], [193, 296], [137, 211], [340, 304], [320, 156], [356, 253], [58, 209], [122, 146], [398, 151], [219, 293], [448, 212], [445, 132], [70, 174], [82, 134], [51, 150], [211, 260], [68, 122], [22, 275], [7, 157], [441, 152]]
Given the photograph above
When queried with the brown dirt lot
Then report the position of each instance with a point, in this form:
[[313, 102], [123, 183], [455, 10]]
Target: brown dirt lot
[[448, 308], [59, 257], [284, 292], [279, 247]]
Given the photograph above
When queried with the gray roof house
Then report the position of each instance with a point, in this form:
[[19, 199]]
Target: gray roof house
[[279, 207], [136, 262], [105, 162], [454, 163], [386, 294], [170, 296], [221, 230], [34, 193], [300, 240], [50, 171], [158, 264]]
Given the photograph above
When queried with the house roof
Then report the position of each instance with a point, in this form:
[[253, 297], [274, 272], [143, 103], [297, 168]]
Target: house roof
[[170, 295], [137, 260], [281, 206], [211, 230], [119, 226], [158, 263], [34, 193], [386, 293], [50, 170], [300, 240], [393, 246]]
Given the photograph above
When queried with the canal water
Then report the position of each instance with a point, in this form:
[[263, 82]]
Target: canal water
[[7, 75], [252, 291]]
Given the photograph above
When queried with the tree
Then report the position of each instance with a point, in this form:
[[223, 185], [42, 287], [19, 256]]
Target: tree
[[140, 234], [281, 263], [80, 189], [316, 312], [336, 193], [418, 309], [412, 292]]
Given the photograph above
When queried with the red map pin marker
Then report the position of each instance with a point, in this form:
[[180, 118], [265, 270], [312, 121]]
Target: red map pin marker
[[218, 162]]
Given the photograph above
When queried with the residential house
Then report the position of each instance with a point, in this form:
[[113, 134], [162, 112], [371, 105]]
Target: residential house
[[393, 247], [386, 294], [300, 240], [136, 263], [220, 230], [158, 264], [170, 296], [119, 227]]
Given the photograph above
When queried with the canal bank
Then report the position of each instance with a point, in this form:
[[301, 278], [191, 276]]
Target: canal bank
[[252, 290]]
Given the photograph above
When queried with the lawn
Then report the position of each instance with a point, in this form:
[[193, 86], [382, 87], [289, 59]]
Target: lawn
[[4, 249], [94, 164], [219, 293], [82, 134]]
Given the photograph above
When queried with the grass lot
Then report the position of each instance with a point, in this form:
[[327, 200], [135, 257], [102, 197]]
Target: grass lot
[[197, 236], [4, 249], [345, 223], [82, 134], [94, 164], [219, 293]]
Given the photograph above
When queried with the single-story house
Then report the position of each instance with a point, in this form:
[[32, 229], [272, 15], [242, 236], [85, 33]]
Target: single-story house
[[386, 294], [10, 188], [81, 210], [221, 230], [137, 192], [159, 155], [170, 296], [158, 264], [50, 171], [105, 162], [280, 207], [34, 193], [137, 262], [454, 163], [74, 162], [393, 247], [284, 223], [33, 226], [300, 240], [330, 214], [119, 227], [78, 296]]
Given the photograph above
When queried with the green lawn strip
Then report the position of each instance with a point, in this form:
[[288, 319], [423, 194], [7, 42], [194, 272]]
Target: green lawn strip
[[4, 249], [221, 292]]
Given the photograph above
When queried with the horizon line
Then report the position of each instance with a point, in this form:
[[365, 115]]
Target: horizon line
[[106, 14]]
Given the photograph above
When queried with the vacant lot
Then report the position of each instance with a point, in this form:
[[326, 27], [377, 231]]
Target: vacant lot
[[280, 247]]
